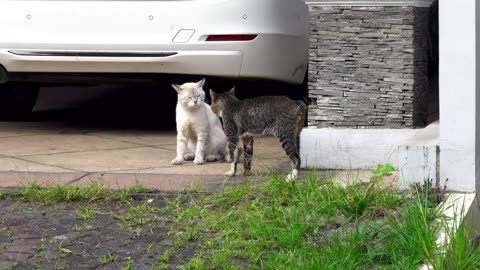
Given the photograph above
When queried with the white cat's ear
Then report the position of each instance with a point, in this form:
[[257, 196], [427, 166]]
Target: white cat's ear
[[201, 83], [232, 91], [213, 95], [177, 87]]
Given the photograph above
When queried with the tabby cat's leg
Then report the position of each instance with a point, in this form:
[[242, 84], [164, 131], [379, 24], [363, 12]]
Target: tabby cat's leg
[[228, 158], [234, 152], [202, 142], [289, 144], [181, 146], [296, 165], [247, 142]]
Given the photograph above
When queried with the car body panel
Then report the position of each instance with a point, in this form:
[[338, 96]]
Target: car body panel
[[279, 52]]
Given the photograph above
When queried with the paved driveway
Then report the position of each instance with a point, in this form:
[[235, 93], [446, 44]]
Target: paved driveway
[[57, 153]]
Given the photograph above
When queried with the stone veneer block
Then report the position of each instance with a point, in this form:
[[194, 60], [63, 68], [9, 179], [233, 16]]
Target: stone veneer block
[[368, 65]]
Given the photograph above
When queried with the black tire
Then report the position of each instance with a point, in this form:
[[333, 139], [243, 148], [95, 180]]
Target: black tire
[[17, 98]]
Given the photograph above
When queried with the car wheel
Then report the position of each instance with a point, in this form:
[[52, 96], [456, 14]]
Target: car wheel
[[17, 98]]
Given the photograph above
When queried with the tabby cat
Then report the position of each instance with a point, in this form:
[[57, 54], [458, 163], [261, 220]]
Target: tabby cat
[[274, 115]]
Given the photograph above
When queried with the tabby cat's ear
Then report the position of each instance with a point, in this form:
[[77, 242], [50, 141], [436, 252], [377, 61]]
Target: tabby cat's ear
[[201, 83], [213, 95], [232, 91], [177, 87]]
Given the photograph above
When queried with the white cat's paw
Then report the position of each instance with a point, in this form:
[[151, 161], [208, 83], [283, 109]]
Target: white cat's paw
[[292, 176], [189, 157], [177, 161], [230, 173], [198, 161]]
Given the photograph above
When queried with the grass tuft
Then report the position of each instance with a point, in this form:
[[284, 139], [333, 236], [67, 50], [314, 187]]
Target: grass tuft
[[85, 212], [69, 193], [459, 250]]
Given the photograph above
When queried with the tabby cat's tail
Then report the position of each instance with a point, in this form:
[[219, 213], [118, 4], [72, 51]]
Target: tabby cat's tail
[[302, 109], [300, 122]]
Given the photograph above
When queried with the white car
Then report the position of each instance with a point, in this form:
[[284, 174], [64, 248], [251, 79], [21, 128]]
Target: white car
[[238, 39]]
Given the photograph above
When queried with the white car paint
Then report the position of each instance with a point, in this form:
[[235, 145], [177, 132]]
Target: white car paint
[[279, 52]]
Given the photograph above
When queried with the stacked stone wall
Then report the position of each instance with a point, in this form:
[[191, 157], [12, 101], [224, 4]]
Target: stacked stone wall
[[368, 66]]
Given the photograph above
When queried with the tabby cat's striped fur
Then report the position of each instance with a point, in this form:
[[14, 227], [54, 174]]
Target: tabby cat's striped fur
[[275, 115]]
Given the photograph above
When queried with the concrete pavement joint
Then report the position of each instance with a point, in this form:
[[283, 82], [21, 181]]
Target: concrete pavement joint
[[126, 141], [81, 151], [17, 136], [43, 164], [163, 147], [116, 139], [129, 170], [79, 178]]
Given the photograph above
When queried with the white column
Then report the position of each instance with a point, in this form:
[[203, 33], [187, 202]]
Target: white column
[[459, 115]]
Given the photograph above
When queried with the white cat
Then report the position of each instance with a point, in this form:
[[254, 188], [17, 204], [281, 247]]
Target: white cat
[[198, 128]]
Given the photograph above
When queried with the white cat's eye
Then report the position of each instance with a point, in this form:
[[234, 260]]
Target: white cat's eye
[[192, 97]]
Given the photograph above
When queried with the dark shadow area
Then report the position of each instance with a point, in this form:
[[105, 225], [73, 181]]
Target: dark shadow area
[[425, 39], [421, 50], [143, 105], [433, 110], [125, 106]]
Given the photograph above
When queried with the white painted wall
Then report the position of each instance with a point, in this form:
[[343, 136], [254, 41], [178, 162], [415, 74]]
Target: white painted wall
[[458, 99], [330, 148], [477, 72], [418, 156]]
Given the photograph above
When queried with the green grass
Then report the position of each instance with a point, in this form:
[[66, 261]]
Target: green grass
[[460, 251], [139, 214], [127, 264], [61, 249], [69, 193], [85, 212], [40, 247], [107, 258], [314, 224]]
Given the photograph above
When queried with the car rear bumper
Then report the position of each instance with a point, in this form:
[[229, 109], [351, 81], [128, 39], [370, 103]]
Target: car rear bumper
[[222, 63], [269, 56]]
